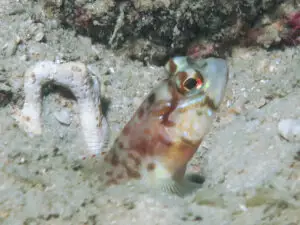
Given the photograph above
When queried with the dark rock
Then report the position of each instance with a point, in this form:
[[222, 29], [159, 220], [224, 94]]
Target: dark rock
[[167, 27], [5, 94]]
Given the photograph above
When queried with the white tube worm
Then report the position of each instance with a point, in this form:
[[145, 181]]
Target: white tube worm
[[73, 76]]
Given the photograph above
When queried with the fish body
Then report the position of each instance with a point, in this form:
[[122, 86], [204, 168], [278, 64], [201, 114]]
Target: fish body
[[167, 129]]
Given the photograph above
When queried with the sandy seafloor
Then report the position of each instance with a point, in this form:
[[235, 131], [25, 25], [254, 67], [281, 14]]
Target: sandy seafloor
[[252, 175]]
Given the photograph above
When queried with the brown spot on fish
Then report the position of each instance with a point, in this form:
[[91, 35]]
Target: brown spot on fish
[[140, 113], [131, 172], [162, 108], [141, 146], [115, 159], [126, 130], [147, 131], [136, 159], [182, 77], [121, 145], [111, 182], [172, 66], [151, 98], [150, 167], [120, 176], [168, 123]]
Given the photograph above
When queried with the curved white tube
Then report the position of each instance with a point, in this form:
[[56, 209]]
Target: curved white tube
[[86, 89]]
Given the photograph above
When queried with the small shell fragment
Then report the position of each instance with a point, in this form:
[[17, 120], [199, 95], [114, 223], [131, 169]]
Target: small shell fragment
[[39, 37], [289, 129]]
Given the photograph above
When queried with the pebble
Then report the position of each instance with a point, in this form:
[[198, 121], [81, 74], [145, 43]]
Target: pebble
[[5, 94], [289, 129], [63, 117], [39, 37]]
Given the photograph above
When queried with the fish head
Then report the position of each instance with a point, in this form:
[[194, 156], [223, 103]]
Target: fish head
[[199, 77], [198, 85]]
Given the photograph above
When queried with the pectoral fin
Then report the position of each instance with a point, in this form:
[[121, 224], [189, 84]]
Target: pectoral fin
[[172, 187], [186, 186]]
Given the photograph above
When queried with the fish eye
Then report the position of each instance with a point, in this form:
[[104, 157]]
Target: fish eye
[[190, 83], [193, 82]]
